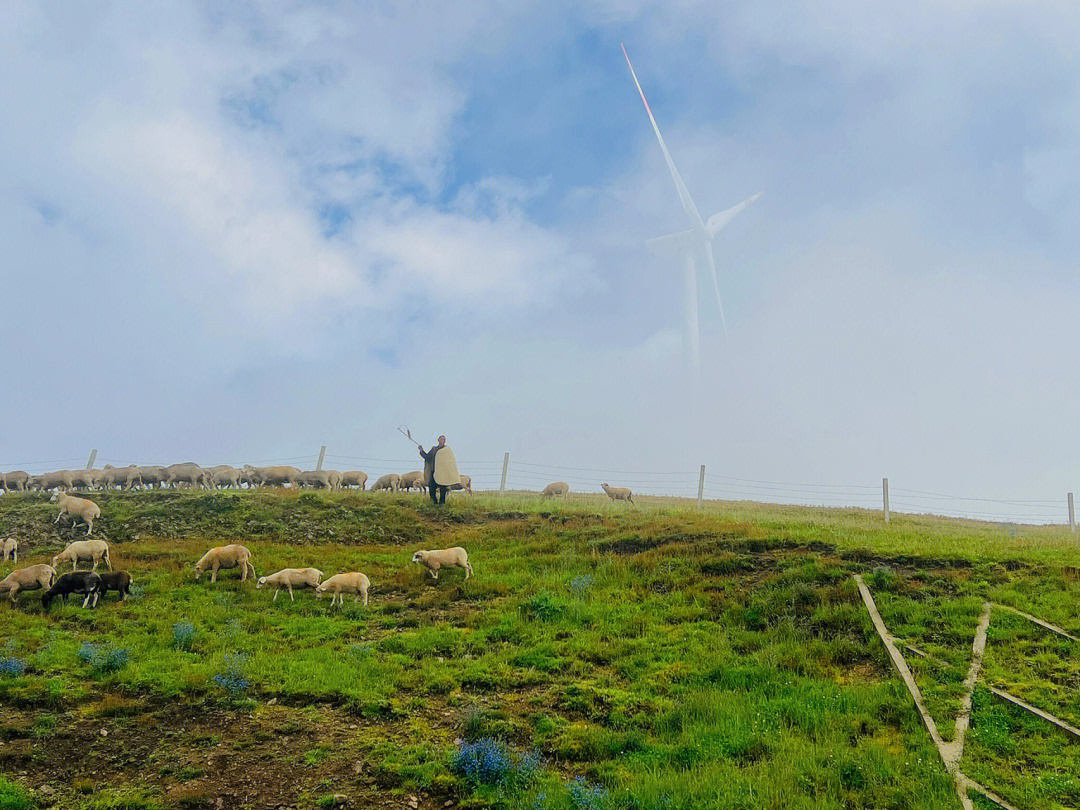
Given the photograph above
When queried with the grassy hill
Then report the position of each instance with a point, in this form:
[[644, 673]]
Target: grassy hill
[[604, 656]]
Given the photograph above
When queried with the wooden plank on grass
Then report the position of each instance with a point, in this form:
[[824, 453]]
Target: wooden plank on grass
[[1001, 693], [1051, 627]]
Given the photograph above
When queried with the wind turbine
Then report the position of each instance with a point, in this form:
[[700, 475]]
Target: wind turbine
[[693, 244]]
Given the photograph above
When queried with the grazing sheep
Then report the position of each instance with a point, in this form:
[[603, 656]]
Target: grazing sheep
[[313, 478], [31, 578], [85, 479], [119, 581], [94, 550], [290, 578], [618, 493], [389, 481], [335, 479], [443, 558], [84, 582], [271, 476], [188, 473], [340, 584], [226, 478], [10, 548], [354, 478], [555, 488], [152, 475], [229, 556], [124, 477], [466, 483], [411, 480], [84, 510], [61, 479], [15, 481]]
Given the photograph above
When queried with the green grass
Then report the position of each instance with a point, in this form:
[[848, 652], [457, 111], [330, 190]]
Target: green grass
[[667, 656]]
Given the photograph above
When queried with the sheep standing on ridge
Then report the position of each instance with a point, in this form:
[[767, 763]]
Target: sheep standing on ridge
[[226, 478], [10, 547], [389, 481], [341, 584], [318, 479], [290, 578], [124, 477], [410, 480], [84, 582], [335, 479], [95, 550], [556, 488], [443, 558], [618, 493], [15, 481], [270, 476], [466, 483], [229, 556], [31, 578], [85, 510], [354, 478]]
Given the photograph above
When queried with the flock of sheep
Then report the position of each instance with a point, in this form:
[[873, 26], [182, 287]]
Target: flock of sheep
[[222, 476], [91, 585]]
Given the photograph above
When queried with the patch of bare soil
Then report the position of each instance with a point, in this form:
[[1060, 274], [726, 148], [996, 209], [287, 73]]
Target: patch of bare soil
[[198, 757]]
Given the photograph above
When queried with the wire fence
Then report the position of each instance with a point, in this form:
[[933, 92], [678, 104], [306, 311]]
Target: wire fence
[[698, 484]]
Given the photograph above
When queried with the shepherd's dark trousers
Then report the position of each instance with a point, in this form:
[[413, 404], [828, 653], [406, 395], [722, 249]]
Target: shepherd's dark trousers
[[442, 493]]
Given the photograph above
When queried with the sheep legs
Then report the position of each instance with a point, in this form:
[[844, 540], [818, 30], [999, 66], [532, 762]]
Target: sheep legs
[[213, 573]]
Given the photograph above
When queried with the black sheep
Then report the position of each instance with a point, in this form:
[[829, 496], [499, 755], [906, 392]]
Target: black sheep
[[84, 582], [119, 581]]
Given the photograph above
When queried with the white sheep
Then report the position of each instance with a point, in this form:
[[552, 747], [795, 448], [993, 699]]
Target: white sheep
[[340, 584], [85, 510], [556, 488], [317, 479], [354, 478], [228, 477], [389, 481], [229, 556], [455, 557], [618, 493], [10, 548], [335, 479], [466, 483], [290, 578], [412, 479], [94, 550], [31, 578]]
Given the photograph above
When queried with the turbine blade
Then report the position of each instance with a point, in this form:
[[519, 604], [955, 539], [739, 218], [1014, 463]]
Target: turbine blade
[[718, 221], [684, 195], [682, 239], [716, 283]]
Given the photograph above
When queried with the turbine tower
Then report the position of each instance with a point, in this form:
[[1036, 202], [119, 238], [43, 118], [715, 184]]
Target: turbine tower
[[694, 244]]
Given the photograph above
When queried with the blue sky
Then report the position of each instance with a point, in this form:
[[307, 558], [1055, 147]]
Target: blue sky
[[237, 233]]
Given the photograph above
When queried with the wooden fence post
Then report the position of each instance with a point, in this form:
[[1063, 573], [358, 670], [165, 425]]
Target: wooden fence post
[[885, 497], [1072, 514], [93, 458], [322, 455], [506, 463], [700, 484]]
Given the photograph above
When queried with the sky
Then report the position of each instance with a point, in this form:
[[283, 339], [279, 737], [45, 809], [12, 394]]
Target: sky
[[237, 232]]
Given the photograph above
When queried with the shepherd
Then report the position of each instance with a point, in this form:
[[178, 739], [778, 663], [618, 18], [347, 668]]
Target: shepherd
[[440, 470]]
